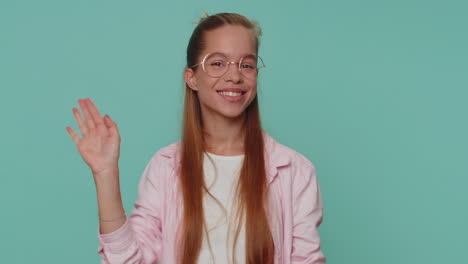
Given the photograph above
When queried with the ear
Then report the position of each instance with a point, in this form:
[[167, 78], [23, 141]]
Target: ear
[[190, 79]]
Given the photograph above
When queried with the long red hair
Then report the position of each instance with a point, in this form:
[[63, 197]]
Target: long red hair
[[251, 191]]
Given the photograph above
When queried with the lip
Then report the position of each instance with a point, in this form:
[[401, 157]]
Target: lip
[[234, 90], [232, 99]]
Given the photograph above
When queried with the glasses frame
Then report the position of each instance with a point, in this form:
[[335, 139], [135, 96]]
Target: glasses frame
[[202, 63]]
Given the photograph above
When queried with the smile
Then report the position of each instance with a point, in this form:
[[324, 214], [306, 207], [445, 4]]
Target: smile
[[232, 97], [230, 93]]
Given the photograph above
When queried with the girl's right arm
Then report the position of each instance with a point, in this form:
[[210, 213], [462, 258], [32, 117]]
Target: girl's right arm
[[99, 147], [139, 239], [136, 239]]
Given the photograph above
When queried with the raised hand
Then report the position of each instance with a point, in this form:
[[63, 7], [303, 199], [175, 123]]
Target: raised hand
[[100, 143]]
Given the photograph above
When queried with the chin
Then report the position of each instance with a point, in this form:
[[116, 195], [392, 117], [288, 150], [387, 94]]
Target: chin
[[227, 112], [233, 114]]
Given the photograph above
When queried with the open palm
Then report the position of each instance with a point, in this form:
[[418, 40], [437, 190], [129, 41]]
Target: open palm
[[100, 143]]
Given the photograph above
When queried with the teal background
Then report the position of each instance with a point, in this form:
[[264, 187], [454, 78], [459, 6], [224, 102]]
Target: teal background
[[373, 92]]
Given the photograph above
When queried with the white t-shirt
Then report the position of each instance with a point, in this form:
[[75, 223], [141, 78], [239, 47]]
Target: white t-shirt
[[221, 186]]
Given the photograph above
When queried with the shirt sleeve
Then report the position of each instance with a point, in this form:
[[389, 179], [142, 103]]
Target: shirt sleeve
[[307, 216], [139, 239]]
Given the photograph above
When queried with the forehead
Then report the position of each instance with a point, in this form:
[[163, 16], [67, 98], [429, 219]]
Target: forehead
[[233, 41]]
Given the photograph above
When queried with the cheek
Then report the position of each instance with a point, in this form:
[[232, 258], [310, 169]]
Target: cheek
[[253, 85], [253, 93], [206, 83], [206, 89]]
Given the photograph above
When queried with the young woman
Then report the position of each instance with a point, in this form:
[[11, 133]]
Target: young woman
[[227, 192]]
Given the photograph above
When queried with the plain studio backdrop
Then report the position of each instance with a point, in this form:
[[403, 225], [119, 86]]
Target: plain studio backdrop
[[374, 93]]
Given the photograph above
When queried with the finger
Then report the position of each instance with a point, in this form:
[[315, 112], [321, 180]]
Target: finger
[[88, 118], [98, 121], [112, 126], [79, 120], [93, 111], [73, 135]]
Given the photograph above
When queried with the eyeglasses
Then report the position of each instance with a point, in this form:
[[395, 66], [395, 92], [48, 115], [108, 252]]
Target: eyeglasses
[[216, 65]]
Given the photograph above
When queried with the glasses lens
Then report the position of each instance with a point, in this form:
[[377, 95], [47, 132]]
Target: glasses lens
[[249, 65], [216, 65]]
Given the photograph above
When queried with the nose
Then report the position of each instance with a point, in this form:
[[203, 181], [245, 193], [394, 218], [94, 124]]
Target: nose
[[233, 73]]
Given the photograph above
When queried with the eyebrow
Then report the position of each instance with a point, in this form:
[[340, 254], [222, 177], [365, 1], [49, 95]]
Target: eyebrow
[[226, 55]]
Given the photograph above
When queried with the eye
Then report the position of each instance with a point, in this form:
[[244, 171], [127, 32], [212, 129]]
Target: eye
[[217, 64], [247, 66], [249, 63]]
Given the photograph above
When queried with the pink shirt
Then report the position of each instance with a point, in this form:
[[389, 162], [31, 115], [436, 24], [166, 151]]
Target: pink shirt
[[148, 235]]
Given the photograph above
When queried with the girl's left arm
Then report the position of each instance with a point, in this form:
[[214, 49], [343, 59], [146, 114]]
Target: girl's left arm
[[307, 214]]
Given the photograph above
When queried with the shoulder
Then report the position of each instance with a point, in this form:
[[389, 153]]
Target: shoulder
[[167, 156], [170, 151], [285, 155], [291, 165]]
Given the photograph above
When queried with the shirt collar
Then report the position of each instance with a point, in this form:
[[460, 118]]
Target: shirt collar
[[275, 155]]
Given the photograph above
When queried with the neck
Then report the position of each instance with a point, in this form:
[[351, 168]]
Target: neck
[[224, 136]]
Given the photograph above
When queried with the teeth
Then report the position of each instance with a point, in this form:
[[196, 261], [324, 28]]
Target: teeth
[[230, 93]]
